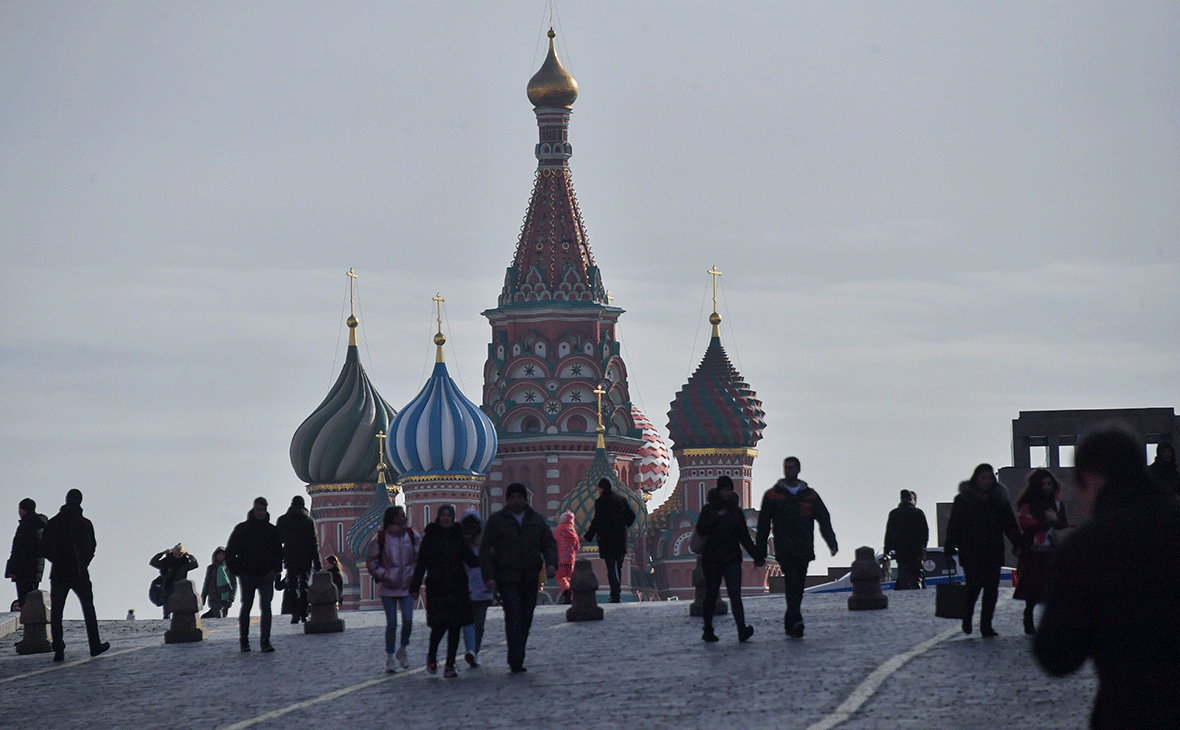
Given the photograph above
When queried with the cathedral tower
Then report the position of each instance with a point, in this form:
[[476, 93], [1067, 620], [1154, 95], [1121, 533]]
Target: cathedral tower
[[553, 335]]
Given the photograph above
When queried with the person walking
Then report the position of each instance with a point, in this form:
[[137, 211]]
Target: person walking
[[1111, 594], [906, 535], [568, 544], [219, 587], [25, 564], [612, 516], [1163, 469], [173, 564], [442, 563], [391, 559], [68, 542], [1040, 513], [254, 554], [980, 518], [481, 597], [516, 541], [722, 525], [790, 509], [301, 555]]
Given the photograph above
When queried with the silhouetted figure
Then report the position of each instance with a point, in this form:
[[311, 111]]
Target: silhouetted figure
[[1112, 592], [301, 554], [722, 524], [219, 587], [1163, 469], [254, 553], [791, 508], [25, 563], [980, 518], [68, 542], [612, 516], [516, 544], [1040, 513], [906, 535], [174, 565]]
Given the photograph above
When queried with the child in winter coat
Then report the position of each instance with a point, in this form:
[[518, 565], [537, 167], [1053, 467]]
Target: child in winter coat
[[568, 544], [391, 558]]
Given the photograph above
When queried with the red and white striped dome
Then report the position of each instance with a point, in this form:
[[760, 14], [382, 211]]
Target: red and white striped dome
[[652, 467]]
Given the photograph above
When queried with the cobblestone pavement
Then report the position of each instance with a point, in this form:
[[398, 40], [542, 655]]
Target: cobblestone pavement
[[643, 666]]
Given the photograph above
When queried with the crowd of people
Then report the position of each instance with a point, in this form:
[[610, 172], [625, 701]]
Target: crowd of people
[[1106, 588]]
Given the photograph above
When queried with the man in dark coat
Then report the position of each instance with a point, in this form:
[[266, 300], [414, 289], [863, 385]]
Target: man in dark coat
[[68, 542], [1163, 469], [301, 553], [516, 543], [26, 564], [612, 517], [1112, 593], [791, 508], [174, 565], [906, 535], [254, 553], [980, 519]]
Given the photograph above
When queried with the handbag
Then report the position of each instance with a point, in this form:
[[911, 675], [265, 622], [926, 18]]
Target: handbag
[[156, 591], [950, 598]]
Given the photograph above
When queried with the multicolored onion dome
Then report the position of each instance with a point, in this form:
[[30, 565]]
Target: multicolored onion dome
[[552, 86], [441, 432], [366, 526], [338, 442], [581, 498], [653, 466], [715, 408]]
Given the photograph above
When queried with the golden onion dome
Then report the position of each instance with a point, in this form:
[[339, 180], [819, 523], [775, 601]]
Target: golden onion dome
[[552, 86]]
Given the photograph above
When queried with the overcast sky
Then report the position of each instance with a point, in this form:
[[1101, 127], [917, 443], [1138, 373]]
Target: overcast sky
[[930, 216]]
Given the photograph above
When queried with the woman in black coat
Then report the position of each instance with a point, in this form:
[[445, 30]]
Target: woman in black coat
[[722, 524], [443, 560], [980, 518]]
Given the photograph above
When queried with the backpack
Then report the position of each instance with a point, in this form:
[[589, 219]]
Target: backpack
[[156, 591]]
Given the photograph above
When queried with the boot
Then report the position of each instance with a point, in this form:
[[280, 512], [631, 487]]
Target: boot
[[244, 633], [1029, 626], [708, 635]]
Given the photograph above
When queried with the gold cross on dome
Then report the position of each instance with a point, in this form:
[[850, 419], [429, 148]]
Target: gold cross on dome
[[381, 468], [438, 300], [351, 278], [714, 273], [598, 393]]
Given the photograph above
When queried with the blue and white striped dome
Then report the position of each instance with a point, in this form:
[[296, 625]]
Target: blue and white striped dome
[[441, 432]]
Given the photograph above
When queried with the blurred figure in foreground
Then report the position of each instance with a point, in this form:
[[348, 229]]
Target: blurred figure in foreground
[[1112, 592]]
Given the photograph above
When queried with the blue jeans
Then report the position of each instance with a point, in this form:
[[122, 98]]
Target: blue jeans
[[391, 605], [473, 633]]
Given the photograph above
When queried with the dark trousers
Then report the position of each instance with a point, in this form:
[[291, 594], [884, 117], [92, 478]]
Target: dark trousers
[[614, 569], [265, 585], [794, 578], [732, 574], [519, 599], [436, 634], [23, 589], [58, 590], [909, 574], [985, 579]]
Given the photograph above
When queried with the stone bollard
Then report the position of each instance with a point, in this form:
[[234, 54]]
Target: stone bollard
[[866, 582], [34, 616], [697, 607], [321, 600], [584, 589], [185, 606]]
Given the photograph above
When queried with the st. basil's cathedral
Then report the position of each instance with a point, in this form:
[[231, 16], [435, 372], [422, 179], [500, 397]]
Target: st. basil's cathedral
[[556, 412]]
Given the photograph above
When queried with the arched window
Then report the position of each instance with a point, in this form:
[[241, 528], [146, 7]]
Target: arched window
[[531, 425]]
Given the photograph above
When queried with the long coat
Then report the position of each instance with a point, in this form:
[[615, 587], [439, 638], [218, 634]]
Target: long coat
[[977, 526], [612, 516], [442, 561], [26, 564], [301, 550]]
